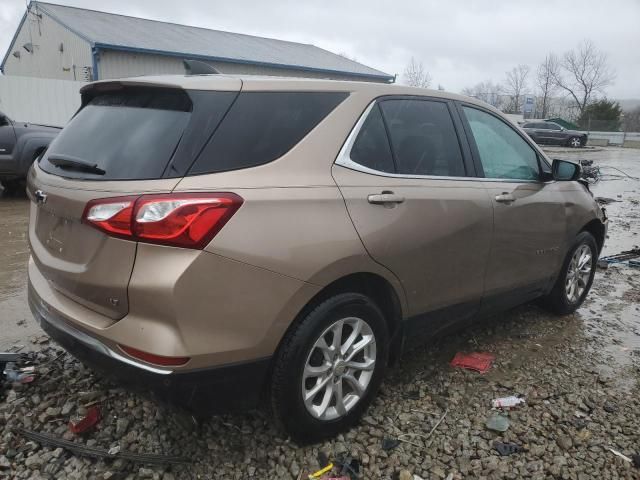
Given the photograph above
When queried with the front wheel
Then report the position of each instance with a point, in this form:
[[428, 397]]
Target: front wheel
[[329, 368], [576, 276]]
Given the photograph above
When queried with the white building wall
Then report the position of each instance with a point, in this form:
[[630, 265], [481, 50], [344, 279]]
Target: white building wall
[[39, 100], [118, 64], [47, 61]]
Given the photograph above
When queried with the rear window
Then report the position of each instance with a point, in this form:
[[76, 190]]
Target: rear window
[[129, 134], [262, 126]]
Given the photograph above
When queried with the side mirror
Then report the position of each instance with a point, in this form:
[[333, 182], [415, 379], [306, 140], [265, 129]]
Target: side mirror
[[564, 170], [3, 121]]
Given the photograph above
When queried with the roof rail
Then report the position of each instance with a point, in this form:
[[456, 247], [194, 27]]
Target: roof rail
[[195, 67]]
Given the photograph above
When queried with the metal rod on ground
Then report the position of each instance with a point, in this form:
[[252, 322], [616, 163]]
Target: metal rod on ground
[[81, 449]]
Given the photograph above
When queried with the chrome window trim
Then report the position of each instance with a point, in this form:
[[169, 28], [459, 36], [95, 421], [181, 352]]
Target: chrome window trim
[[344, 160]]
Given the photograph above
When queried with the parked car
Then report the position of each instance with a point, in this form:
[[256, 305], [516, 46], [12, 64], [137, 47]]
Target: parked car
[[225, 240], [20, 145], [550, 133]]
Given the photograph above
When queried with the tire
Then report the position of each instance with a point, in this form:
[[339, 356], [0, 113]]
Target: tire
[[12, 187], [562, 300], [575, 142], [310, 422]]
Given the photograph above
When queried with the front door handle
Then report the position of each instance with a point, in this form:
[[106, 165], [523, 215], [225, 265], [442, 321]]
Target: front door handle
[[505, 197], [385, 198]]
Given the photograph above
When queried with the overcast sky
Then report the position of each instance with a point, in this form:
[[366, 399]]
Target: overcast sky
[[460, 42]]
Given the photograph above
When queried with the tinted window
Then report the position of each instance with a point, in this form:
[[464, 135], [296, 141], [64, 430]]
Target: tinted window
[[127, 134], [423, 138], [553, 126], [371, 148], [503, 153], [263, 126]]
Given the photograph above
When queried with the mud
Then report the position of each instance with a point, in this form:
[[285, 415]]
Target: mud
[[16, 322]]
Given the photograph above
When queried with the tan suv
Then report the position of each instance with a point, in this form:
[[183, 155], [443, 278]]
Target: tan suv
[[226, 239]]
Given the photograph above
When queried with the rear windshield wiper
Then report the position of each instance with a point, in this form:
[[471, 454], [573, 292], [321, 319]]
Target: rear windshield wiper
[[73, 163]]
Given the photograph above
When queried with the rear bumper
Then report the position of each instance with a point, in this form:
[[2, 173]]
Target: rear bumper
[[221, 389]]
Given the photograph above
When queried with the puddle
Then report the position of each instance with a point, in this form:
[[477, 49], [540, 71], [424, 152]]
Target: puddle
[[16, 321]]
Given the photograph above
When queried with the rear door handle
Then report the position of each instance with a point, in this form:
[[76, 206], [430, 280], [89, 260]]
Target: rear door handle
[[385, 198], [505, 197]]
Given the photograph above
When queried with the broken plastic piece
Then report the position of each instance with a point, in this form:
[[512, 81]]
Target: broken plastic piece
[[91, 418], [507, 402], [390, 443], [636, 460], [321, 472], [480, 362], [505, 449], [497, 422]]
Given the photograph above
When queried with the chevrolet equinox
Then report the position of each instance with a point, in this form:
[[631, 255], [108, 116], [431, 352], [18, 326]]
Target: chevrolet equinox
[[223, 240]]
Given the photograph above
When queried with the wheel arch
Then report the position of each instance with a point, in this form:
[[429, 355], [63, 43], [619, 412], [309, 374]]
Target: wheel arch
[[596, 228], [374, 286]]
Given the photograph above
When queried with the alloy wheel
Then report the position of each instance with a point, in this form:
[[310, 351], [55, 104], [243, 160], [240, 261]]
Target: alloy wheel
[[339, 368], [575, 142], [578, 273]]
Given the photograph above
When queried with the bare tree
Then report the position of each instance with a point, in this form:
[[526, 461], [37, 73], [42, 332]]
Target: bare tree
[[416, 76], [487, 91], [584, 73], [547, 71], [515, 86]]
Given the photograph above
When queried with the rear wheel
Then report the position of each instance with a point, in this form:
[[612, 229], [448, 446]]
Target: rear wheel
[[575, 142], [576, 277], [329, 368]]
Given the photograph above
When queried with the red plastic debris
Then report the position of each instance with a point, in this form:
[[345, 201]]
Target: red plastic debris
[[480, 362], [91, 418]]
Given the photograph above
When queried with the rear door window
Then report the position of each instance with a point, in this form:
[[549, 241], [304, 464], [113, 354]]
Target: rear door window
[[130, 134], [423, 138], [262, 126]]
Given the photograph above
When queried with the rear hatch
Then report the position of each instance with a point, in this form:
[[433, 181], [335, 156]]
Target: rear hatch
[[128, 139]]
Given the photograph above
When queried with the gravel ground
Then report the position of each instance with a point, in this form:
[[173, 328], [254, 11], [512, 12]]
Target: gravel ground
[[579, 374]]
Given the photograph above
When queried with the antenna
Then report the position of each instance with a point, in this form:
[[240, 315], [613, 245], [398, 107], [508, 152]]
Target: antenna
[[195, 67]]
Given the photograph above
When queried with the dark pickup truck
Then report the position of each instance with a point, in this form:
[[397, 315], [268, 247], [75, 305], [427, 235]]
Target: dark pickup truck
[[20, 144]]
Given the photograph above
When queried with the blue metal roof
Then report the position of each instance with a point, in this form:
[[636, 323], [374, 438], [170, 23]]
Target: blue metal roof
[[119, 32]]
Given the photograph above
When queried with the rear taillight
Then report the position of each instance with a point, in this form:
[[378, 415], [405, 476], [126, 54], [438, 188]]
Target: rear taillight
[[188, 220]]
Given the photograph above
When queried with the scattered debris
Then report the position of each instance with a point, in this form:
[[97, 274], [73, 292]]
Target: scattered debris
[[507, 402], [628, 257], [114, 450], [606, 200], [390, 443], [84, 450], [90, 419], [497, 422], [413, 395], [505, 449], [636, 460], [610, 407], [480, 362], [325, 466], [6, 358], [349, 468], [617, 453]]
